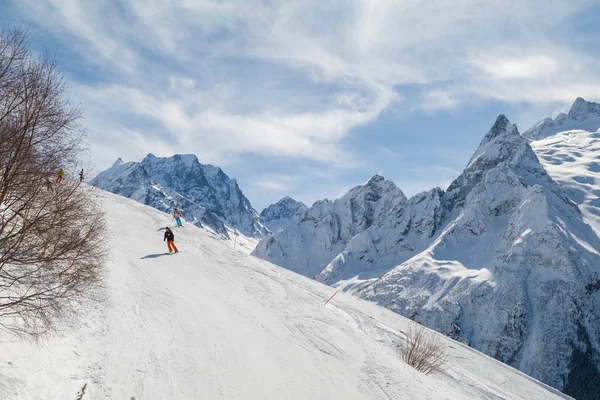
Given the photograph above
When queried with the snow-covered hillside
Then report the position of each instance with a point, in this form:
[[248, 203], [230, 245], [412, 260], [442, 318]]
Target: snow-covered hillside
[[214, 323], [204, 194], [503, 260]]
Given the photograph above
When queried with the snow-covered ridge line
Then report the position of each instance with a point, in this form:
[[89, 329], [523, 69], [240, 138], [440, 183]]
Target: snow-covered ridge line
[[314, 236], [582, 115]]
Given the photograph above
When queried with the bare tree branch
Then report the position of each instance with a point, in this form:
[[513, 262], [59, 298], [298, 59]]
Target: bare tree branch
[[51, 250]]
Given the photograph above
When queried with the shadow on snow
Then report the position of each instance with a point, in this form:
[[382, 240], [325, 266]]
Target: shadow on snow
[[154, 255]]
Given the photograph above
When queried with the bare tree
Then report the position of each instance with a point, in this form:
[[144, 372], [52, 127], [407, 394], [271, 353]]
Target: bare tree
[[51, 248], [424, 350]]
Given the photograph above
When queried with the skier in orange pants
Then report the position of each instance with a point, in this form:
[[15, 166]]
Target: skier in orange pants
[[170, 238]]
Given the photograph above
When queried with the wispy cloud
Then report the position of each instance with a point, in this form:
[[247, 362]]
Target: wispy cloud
[[199, 70], [276, 183], [287, 79]]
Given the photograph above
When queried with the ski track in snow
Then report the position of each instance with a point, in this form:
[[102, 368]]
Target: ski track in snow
[[214, 323]]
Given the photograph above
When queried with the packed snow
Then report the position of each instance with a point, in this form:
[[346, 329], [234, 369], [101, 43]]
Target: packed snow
[[215, 323]]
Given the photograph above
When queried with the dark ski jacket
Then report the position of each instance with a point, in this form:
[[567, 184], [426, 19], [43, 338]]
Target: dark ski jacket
[[169, 237]]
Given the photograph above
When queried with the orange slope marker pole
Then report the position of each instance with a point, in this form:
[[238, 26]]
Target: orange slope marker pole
[[330, 298]]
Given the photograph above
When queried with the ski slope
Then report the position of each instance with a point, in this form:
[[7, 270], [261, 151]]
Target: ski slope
[[213, 322]]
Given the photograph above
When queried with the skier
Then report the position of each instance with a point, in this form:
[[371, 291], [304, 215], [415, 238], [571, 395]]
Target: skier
[[177, 217], [48, 183], [170, 238], [81, 176], [59, 175]]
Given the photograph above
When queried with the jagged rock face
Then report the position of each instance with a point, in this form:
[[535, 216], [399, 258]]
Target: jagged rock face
[[404, 231], [571, 158], [314, 237], [582, 110], [511, 283], [502, 143], [277, 215], [582, 115], [203, 193], [510, 272]]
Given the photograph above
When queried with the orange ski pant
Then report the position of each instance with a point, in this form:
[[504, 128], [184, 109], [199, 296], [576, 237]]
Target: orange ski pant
[[171, 245]]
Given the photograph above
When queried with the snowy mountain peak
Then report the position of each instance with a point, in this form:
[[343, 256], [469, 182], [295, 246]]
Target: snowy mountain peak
[[501, 144], [204, 193], [311, 239], [175, 161], [578, 103], [284, 208], [501, 128], [277, 215], [374, 189], [582, 109], [583, 115], [118, 162], [376, 179]]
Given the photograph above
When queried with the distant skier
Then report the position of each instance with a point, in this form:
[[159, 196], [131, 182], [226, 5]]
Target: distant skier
[[47, 181], [170, 238], [59, 175], [177, 217], [81, 176]]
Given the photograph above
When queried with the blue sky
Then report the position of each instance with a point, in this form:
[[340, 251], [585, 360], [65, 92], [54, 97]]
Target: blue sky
[[309, 98]]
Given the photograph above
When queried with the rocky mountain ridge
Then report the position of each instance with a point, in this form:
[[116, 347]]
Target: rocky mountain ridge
[[205, 195]]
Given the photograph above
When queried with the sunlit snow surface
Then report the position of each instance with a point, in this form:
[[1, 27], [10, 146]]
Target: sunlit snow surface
[[214, 323], [573, 159]]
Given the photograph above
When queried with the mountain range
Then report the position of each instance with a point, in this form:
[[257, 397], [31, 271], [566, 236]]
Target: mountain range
[[506, 260]]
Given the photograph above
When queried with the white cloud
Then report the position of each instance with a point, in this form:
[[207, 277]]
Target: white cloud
[[293, 79], [535, 67], [438, 99], [275, 183]]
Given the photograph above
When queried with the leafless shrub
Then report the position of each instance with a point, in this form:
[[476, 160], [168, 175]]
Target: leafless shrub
[[424, 350], [51, 249], [81, 392]]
